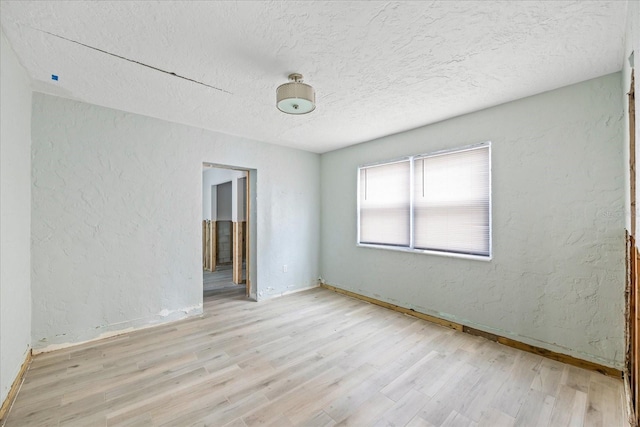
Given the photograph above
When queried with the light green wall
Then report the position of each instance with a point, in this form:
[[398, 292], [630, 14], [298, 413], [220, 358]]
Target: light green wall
[[557, 275]]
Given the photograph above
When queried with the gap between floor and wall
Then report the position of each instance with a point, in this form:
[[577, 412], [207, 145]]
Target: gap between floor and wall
[[605, 370], [549, 354]]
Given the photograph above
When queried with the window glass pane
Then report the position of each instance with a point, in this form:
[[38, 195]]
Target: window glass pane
[[451, 202], [384, 204]]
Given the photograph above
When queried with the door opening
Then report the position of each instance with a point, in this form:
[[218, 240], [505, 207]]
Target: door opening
[[227, 224]]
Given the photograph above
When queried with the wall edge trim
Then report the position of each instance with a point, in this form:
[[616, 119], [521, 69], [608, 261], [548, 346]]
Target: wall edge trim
[[549, 354], [15, 387]]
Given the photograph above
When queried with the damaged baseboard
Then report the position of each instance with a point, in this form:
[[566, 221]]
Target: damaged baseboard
[[15, 387], [560, 357]]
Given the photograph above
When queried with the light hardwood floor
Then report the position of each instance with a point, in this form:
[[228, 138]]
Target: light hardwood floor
[[315, 358]]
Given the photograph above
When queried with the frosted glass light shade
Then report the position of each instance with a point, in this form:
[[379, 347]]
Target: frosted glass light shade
[[295, 97]]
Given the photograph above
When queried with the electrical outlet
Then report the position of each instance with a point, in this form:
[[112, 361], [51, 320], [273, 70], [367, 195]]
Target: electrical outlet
[[285, 268]]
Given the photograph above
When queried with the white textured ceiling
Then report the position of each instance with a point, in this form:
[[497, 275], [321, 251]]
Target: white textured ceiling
[[378, 67]]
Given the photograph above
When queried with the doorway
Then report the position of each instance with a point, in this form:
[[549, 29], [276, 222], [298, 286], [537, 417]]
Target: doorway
[[227, 224]]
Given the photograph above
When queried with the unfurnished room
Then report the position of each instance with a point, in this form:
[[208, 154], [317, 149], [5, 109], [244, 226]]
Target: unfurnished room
[[319, 213]]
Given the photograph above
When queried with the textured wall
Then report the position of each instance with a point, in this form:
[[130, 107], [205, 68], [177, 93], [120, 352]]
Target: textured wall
[[212, 177], [224, 202], [116, 218], [557, 275], [15, 211], [632, 44]]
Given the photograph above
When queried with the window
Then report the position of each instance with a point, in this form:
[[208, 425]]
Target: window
[[435, 203], [385, 204]]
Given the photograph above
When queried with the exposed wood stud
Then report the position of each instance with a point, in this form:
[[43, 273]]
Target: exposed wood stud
[[209, 245], [632, 294], [204, 244], [213, 245], [248, 234], [237, 253], [636, 336]]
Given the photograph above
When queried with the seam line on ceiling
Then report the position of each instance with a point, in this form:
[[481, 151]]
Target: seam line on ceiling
[[135, 62]]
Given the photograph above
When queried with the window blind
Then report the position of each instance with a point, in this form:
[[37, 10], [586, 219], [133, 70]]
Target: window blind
[[452, 202], [385, 204]]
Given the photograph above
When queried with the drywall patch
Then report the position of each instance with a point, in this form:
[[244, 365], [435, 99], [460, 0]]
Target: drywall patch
[[187, 311], [162, 317]]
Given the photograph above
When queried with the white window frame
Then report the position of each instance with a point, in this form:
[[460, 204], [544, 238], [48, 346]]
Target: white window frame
[[411, 247]]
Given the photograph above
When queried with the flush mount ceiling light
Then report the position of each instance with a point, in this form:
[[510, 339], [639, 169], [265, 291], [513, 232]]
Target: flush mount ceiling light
[[296, 97]]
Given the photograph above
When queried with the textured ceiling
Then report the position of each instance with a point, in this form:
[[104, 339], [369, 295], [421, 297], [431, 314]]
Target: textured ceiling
[[378, 67]]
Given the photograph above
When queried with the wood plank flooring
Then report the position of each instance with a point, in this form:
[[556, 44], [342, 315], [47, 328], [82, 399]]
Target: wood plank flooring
[[314, 358]]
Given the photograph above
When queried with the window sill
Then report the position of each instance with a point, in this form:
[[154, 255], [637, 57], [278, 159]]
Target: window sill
[[426, 252]]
